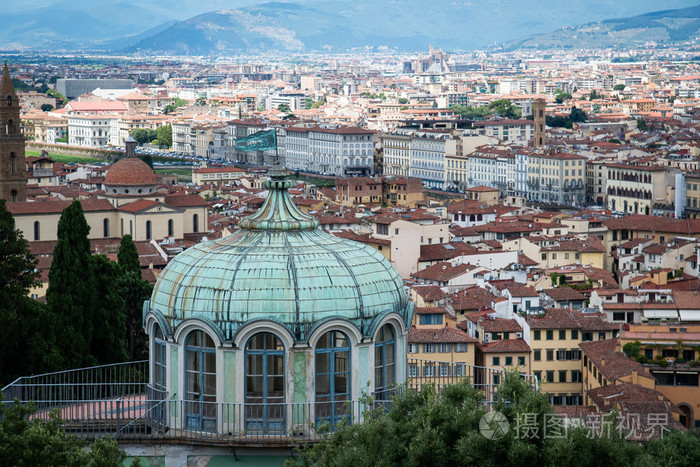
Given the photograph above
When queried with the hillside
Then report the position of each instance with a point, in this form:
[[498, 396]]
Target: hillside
[[661, 27]]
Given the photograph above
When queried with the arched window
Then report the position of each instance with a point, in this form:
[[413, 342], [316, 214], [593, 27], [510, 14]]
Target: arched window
[[332, 377], [105, 227], [121, 227], [264, 384], [10, 125], [200, 386], [14, 196], [37, 231], [131, 228], [9, 100], [384, 363], [171, 227], [195, 223], [13, 163], [148, 230], [160, 375]]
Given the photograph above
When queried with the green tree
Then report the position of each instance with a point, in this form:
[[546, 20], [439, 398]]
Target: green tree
[[403, 100], [109, 323], [71, 294], [164, 135], [33, 441], [143, 136], [22, 331], [577, 115], [128, 256], [135, 291], [561, 96], [147, 158], [641, 124], [505, 108], [284, 108], [46, 107], [619, 87]]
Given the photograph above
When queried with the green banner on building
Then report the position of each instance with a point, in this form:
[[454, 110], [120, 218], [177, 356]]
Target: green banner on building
[[261, 141]]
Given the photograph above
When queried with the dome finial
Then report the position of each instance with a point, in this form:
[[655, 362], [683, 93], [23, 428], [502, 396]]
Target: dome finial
[[279, 211]]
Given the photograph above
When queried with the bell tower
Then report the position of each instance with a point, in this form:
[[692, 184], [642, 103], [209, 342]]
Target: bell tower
[[538, 112], [13, 171]]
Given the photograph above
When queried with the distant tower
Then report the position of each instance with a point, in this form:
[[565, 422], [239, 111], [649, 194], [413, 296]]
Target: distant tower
[[13, 173], [538, 112]]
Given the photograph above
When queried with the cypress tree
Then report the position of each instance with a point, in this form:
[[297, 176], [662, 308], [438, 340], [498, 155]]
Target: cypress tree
[[135, 291], [109, 324], [71, 294], [17, 275], [128, 257]]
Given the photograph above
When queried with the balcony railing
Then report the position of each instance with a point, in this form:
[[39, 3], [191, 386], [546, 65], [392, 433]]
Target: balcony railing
[[116, 400]]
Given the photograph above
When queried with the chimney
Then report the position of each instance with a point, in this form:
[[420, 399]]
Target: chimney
[[602, 362]]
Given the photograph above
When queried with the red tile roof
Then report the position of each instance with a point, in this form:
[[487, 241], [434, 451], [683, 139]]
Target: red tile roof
[[506, 346], [130, 171], [442, 335]]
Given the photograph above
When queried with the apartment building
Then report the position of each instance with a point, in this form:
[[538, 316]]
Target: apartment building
[[427, 160], [90, 131], [635, 189], [557, 178]]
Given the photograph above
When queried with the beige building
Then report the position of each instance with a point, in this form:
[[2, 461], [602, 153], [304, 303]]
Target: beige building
[[216, 175], [635, 189], [557, 178], [406, 235], [555, 336]]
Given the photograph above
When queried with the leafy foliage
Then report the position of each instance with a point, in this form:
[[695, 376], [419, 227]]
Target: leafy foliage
[[134, 290], [428, 428], [164, 134], [27, 441], [143, 136]]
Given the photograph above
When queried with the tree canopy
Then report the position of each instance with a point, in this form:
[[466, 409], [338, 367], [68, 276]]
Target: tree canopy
[[27, 441], [454, 427], [505, 108]]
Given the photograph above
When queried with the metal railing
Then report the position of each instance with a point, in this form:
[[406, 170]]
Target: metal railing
[[92, 383], [440, 374], [116, 400]]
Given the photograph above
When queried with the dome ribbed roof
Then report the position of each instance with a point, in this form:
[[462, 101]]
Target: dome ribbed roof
[[130, 171], [279, 266]]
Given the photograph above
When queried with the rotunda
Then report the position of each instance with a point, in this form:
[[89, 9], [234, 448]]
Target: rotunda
[[277, 327], [130, 176]]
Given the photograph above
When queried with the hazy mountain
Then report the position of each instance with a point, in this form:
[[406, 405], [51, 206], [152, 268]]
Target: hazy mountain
[[301, 25], [663, 27]]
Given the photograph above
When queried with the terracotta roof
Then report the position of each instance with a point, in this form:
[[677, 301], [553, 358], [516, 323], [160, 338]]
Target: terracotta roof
[[130, 171], [473, 298], [443, 271], [499, 325], [686, 299], [185, 200], [445, 251], [638, 402], [611, 363], [564, 293], [592, 321], [435, 310], [137, 206], [506, 346], [57, 206], [554, 318], [442, 335], [518, 290], [429, 292], [654, 223]]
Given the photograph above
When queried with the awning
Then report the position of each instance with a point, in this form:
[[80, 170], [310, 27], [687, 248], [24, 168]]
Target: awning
[[660, 314], [690, 315]]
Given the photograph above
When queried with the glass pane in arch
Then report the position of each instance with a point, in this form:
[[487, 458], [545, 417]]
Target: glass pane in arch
[[384, 363], [200, 382], [332, 365], [264, 384], [159, 362]]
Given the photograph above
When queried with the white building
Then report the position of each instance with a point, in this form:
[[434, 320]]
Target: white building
[[90, 131]]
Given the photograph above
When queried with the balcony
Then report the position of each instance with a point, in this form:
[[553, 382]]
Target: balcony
[[116, 400]]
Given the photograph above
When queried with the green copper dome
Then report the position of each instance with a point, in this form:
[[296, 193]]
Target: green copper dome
[[279, 266]]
